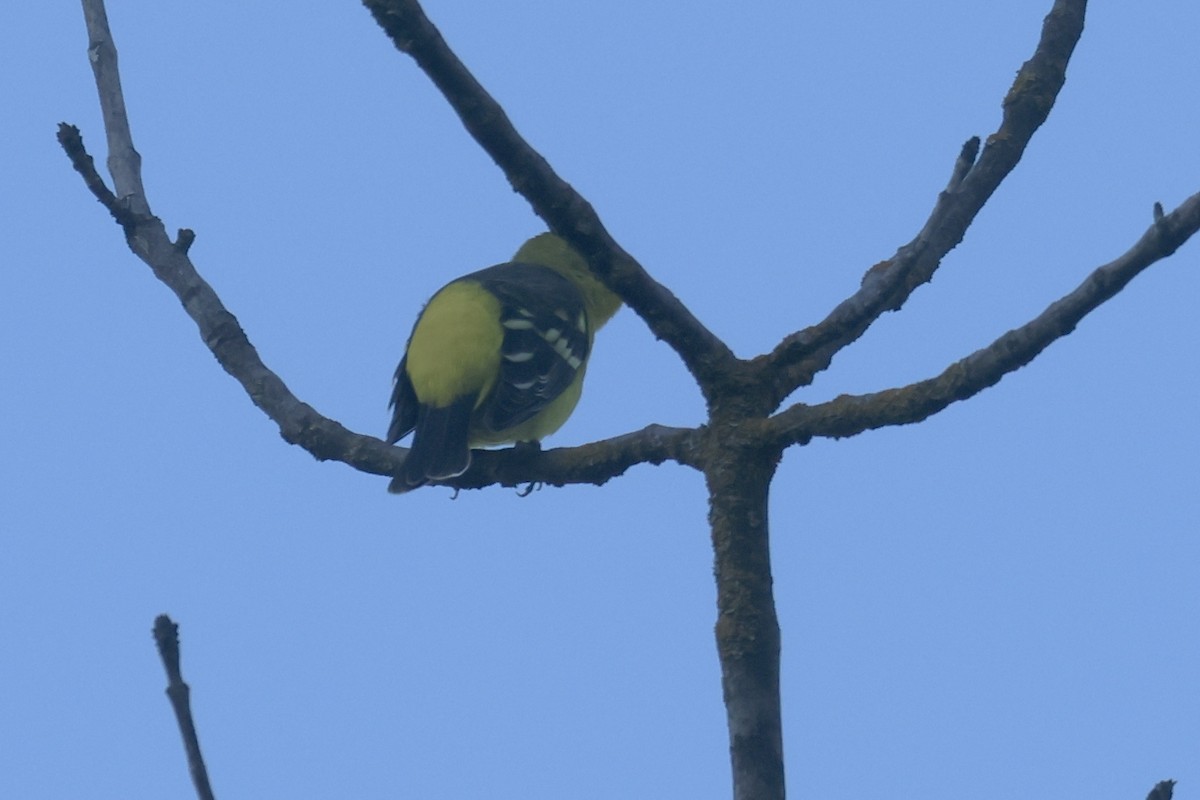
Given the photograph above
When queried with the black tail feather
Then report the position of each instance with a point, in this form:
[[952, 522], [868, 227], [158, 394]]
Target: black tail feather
[[440, 448]]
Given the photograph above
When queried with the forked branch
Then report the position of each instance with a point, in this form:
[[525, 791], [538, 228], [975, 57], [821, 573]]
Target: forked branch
[[887, 285], [851, 414]]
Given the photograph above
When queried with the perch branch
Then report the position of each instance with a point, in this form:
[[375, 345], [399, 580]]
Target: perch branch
[[594, 463], [852, 414], [298, 422]]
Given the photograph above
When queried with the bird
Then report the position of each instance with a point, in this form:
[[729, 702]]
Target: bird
[[497, 356]]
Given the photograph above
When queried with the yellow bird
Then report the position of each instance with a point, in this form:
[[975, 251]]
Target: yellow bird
[[496, 357]]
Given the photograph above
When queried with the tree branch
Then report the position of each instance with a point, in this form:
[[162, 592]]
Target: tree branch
[[324, 438], [848, 415], [566, 212], [887, 285], [299, 423], [595, 463], [166, 637], [1163, 790], [124, 162], [72, 142]]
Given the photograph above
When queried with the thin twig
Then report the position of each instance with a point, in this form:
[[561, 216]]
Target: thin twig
[[72, 142], [852, 414], [166, 637], [1163, 790]]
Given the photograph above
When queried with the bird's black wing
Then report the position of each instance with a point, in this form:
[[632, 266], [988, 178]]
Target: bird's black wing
[[547, 337]]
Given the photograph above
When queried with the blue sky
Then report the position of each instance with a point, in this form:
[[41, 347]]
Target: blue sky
[[1002, 600]]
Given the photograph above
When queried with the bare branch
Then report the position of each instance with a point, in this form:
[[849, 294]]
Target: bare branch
[[72, 142], [325, 438], [595, 463], [1163, 790], [566, 212], [166, 637], [299, 423], [887, 285], [852, 414], [124, 163]]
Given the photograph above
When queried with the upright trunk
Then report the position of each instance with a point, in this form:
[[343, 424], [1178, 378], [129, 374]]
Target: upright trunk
[[747, 629]]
